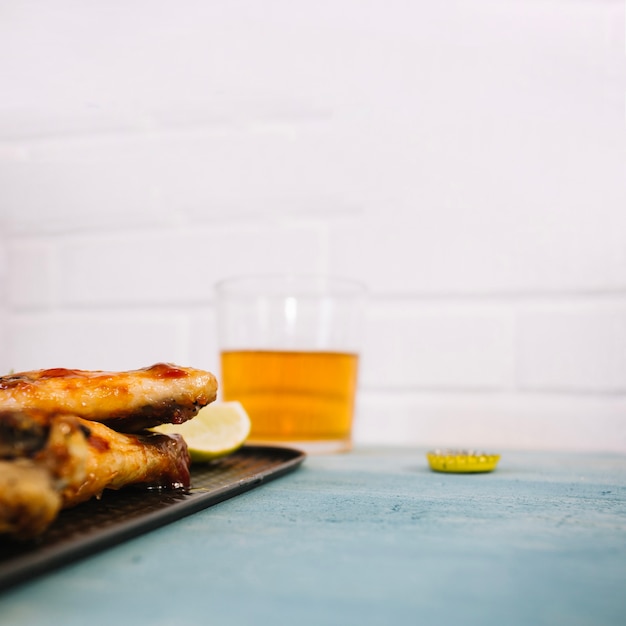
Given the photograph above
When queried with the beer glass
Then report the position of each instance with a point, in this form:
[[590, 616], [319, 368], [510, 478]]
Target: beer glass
[[289, 353]]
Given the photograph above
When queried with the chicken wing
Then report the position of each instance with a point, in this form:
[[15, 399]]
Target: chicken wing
[[127, 401], [29, 500], [88, 457], [74, 461]]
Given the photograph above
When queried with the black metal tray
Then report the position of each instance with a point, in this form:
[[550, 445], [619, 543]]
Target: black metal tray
[[120, 515]]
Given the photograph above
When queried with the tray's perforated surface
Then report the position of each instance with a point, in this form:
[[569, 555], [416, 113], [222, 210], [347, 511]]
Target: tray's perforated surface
[[119, 515]]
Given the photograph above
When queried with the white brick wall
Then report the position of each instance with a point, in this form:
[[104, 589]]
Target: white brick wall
[[464, 159]]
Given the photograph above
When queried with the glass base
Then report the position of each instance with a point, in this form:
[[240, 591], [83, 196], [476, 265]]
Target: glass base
[[319, 446]]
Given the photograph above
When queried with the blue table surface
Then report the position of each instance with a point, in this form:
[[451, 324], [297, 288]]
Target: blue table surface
[[368, 537]]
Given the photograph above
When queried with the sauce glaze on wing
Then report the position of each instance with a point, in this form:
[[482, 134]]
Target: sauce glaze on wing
[[88, 457], [126, 401]]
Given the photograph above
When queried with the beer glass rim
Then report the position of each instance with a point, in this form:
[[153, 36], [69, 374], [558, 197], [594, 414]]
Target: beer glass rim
[[290, 284]]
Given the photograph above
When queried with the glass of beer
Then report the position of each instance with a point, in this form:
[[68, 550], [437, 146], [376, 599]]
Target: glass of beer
[[289, 353]]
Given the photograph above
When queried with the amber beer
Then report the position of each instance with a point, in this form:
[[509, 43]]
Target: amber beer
[[293, 395], [289, 346]]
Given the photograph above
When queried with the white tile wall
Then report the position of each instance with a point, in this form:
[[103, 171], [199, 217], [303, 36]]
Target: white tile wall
[[101, 340], [3, 299], [576, 349], [464, 159], [436, 346], [494, 421]]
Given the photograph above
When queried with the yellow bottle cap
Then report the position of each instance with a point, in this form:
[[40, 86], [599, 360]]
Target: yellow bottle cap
[[462, 461]]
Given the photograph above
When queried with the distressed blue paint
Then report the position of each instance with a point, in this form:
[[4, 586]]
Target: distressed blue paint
[[370, 537]]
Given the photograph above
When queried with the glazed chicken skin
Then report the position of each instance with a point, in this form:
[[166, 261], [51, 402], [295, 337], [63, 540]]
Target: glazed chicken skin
[[59, 461], [126, 401], [88, 457]]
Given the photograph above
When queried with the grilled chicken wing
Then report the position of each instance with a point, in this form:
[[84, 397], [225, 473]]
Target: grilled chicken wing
[[29, 500], [127, 401], [58, 461], [88, 457]]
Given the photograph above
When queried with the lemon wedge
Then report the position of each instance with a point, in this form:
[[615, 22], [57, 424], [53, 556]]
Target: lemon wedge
[[217, 430]]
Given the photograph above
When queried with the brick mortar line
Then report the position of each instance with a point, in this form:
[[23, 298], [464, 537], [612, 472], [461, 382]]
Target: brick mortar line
[[513, 394], [504, 302]]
